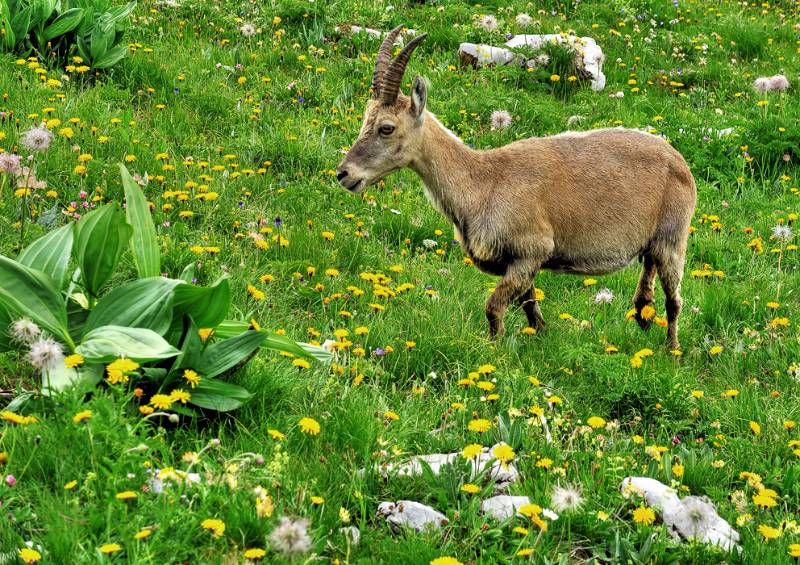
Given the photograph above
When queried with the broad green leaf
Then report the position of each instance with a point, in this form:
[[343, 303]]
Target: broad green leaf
[[191, 355], [107, 343], [144, 303], [102, 36], [275, 342], [50, 254], [208, 305], [100, 238], [21, 23], [60, 378], [30, 292], [188, 272], [5, 331], [224, 355], [110, 57], [214, 394], [63, 24], [146, 254]]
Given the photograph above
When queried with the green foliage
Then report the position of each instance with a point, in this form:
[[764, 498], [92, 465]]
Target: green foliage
[[93, 29], [151, 320]]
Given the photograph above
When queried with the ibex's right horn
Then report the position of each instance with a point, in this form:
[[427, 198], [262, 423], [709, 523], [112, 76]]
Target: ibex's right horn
[[390, 86], [384, 57]]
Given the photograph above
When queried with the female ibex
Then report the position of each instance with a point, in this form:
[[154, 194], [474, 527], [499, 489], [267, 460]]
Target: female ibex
[[585, 202]]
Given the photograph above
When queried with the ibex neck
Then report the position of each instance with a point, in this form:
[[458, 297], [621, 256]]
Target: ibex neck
[[447, 167]]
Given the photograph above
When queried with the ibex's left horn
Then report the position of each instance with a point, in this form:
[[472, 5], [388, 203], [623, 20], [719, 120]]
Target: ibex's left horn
[[384, 57], [390, 87]]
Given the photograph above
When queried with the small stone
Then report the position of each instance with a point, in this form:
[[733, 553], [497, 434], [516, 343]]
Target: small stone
[[503, 507], [410, 514]]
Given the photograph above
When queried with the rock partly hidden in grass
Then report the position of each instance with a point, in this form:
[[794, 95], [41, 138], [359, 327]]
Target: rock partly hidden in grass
[[502, 474], [354, 29], [410, 514], [693, 517], [503, 507], [588, 55]]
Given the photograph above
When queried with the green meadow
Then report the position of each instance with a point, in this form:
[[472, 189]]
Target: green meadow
[[232, 117]]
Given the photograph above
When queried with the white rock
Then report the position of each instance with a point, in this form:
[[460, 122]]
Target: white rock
[[410, 514], [503, 507], [694, 517], [589, 56], [503, 475], [400, 41]]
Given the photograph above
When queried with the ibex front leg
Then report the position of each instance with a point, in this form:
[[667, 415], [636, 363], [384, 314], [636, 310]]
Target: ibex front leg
[[515, 284]]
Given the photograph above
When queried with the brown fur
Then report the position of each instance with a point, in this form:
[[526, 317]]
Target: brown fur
[[586, 203]]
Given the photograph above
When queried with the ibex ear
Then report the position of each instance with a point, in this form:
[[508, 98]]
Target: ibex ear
[[419, 97]]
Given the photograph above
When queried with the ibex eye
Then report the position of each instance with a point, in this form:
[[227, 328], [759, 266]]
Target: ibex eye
[[386, 129]]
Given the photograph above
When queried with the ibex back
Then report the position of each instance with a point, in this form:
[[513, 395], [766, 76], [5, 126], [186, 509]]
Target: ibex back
[[586, 203]]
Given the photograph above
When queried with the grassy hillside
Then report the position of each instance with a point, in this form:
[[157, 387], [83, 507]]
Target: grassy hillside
[[236, 137]]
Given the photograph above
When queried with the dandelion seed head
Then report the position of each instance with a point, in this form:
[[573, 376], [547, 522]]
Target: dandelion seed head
[[25, 330], [291, 537], [36, 139], [45, 353], [566, 498], [523, 20], [488, 22], [501, 119], [604, 296], [782, 232]]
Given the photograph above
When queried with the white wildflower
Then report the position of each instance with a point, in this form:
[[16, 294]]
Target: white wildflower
[[430, 243], [524, 20], [488, 22], [291, 537], [501, 119], [549, 514], [566, 499], [36, 139], [604, 296], [46, 353], [25, 330], [782, 232]]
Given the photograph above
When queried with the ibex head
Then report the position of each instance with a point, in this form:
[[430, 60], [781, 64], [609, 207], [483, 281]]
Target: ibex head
[[391, 134]]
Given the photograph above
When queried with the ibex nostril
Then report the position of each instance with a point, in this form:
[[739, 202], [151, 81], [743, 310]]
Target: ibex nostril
[[340, 175]]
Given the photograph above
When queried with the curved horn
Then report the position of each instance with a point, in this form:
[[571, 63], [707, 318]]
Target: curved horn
[[383, 60], [394, 74]]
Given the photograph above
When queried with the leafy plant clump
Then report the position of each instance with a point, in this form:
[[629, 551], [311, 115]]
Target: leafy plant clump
[[168, 336], [57, 30]]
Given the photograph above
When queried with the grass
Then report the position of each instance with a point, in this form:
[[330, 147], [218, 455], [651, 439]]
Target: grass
[[177, 109]]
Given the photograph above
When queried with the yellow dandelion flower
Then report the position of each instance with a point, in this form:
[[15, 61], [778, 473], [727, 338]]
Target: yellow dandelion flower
[[309, 426], [81, 416], [644, 515], [217, 527]]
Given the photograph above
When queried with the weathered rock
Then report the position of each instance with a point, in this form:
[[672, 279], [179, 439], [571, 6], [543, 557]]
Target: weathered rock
[[503, 507], [588, 55], [410, 514], [376, 33], [502, 474], [694, 517]]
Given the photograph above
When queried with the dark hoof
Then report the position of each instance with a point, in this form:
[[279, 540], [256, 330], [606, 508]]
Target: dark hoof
[[644, 324]]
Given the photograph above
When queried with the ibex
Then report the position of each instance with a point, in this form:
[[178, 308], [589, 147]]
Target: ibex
[[587, 202]]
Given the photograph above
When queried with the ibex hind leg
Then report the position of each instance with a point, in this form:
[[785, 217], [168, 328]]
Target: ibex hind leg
[[669, 262], [530, 306], [515, 283], [645, 290]]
